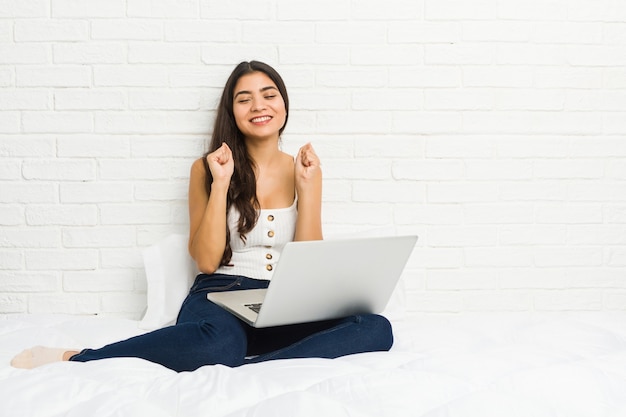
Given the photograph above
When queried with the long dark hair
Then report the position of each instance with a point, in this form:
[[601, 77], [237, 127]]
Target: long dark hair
[[242, 190]]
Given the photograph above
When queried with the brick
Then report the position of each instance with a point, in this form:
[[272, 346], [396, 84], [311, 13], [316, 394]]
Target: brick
[[11, 215], [462, 192], [90, 53], [425, 32], [575, 213], [459, 54], [420, 77], [499, 257], [428, 170], [28, 237], [28, 282], [537, 234], [533, 10], [99, 281], [501, 169], [126, 29], [64, 304], [369, 33], [500, 301], [390, 10], [474, 279], [120, 259], [358, 214], [496, 76], [12, 304], [422, 122], [165, 100], [372, 169], [438, 258], [202, 31], [366, 122], [93, 146], [461, 236], [387, 55], [15, 53], [459, 10], [496, 31], [24, 9], [92, 99], [28, 192], [141, 122], [170, 9], [102, 237], [319, 11], [66, 215], [330, 55], [27, 146], [130, 76], [408, 214], [464, 99], [81, 9], [57, 122], [390, 192], [96, 192], [163, 53], [134, 214], [171, 147], [53, 76], [61, 259], [59, 170], [236, 10], [570, 169], [394, 146], [264, 32], [51, 30], [161, 191], [10, 122], [24, 100], [568, 300], [522, 99], [499, 213]]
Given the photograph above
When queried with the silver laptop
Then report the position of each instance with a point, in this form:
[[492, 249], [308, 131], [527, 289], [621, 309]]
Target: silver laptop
[[322, 280]]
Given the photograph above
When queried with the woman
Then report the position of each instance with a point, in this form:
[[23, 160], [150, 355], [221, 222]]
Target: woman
[[247, 199]]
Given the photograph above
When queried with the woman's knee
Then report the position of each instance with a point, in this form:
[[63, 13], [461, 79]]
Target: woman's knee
[[379, 330]]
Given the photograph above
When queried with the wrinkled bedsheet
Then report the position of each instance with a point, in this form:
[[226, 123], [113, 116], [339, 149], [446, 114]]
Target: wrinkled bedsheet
[[483, 365]]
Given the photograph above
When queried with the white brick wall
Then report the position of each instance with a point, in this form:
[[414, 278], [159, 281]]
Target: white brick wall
[[494, 129]]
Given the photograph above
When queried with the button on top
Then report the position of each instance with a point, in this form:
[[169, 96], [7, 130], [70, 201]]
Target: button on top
[[269, 267], [270, 233], [268, 256], [270, 218]]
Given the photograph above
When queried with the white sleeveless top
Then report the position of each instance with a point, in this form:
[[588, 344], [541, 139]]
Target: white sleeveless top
[[257, 256]]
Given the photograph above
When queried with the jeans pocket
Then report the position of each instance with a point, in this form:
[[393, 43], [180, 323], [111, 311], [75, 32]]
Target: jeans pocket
[[215, 283]]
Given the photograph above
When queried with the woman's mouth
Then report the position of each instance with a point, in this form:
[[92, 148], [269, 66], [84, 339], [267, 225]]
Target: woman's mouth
[[261, 119]]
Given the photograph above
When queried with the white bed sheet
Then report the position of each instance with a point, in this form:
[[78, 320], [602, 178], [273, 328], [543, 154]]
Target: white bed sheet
[[481, 365]]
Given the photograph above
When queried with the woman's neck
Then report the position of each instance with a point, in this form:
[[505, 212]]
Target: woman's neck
[[263, 153]]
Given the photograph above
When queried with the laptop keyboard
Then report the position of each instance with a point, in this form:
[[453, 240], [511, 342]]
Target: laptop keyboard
[[254, 307]]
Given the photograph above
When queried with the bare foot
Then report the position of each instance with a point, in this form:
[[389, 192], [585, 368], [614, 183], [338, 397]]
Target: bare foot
[[40, 355]]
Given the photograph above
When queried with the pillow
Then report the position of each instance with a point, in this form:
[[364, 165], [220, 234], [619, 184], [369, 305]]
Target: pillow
[[170, 272]]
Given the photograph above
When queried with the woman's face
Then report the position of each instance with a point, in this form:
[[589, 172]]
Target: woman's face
[[258, 107]]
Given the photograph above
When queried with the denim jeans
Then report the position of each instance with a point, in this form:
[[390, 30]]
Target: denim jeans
[[206, 334]]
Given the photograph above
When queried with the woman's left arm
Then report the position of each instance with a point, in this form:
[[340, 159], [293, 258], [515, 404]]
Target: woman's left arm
[[308, 179]]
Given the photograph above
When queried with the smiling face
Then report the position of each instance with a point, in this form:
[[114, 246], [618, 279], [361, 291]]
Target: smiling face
[[258, 107]]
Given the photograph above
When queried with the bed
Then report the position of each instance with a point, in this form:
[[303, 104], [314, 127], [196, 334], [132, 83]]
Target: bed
[[489, 364]]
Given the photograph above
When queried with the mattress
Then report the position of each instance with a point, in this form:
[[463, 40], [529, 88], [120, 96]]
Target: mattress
[[566, 365]]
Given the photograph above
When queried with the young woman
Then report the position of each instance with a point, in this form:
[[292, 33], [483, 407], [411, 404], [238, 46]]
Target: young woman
[[247, 199]]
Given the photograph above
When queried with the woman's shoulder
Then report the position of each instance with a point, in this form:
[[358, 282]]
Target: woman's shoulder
[[197, 167]]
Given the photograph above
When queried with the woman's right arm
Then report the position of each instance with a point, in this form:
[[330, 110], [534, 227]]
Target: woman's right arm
[[207, 213]]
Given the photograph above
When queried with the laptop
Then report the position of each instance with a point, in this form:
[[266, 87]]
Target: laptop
[[323, 280]]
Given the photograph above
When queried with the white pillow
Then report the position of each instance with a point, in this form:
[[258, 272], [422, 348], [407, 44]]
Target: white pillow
[[170, 272]]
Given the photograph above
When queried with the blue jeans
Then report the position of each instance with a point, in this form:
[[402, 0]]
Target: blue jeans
[[206, 334]]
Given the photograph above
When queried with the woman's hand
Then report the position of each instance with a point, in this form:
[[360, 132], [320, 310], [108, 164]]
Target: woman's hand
[[308, 170], [221, 164]]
